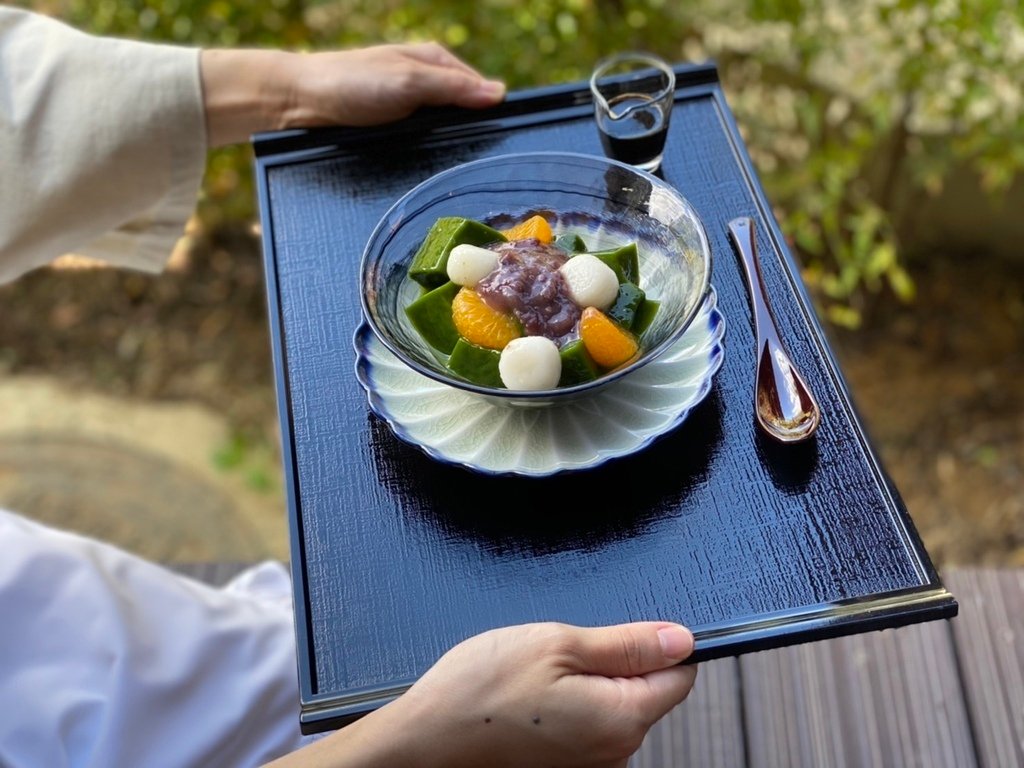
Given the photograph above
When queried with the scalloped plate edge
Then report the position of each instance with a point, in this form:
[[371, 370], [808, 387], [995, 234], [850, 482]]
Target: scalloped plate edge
[[713, 348]]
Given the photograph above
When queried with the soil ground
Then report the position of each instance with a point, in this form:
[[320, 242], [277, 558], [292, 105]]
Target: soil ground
[[141, 408], [938, 383]]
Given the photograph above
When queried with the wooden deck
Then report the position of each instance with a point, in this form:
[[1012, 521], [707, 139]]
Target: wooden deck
[[937, 695], [948, 693]]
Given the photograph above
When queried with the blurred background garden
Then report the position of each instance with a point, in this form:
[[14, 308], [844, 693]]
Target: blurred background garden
[[889, 136]]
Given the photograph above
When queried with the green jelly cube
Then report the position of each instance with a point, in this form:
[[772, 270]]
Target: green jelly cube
[[624, 260], [475, 364], [624, 310], [431, 315], [644, 315], [429, 266], [577, 364], [570, 242]]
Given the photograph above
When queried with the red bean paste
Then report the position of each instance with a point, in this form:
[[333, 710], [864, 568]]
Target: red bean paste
[[527, 283]]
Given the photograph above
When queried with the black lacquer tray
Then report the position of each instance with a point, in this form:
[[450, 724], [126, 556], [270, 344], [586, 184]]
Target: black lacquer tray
[[397, 557]]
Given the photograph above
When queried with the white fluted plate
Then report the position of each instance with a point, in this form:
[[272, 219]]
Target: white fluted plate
[[462, 428]]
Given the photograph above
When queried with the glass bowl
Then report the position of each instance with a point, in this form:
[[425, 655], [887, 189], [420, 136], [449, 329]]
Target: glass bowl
[[607, 202]]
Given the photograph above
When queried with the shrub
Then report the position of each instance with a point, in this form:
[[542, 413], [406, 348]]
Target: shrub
[[837, 100], [841, 100]]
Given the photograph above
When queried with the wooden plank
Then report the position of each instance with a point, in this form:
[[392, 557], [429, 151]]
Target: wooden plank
[[989, 638], [706, 730], [888, 698]]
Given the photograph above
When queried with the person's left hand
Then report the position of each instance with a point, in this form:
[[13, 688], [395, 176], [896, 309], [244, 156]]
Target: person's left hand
[[369, 86], [252, 90]]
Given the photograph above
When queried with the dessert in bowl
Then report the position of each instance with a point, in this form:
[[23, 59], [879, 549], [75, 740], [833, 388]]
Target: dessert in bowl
[[432, 275]]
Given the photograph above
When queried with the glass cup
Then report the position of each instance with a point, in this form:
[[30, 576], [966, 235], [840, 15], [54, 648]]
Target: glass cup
[[633, 94]]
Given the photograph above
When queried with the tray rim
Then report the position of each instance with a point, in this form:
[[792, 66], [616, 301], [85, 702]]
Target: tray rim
[[820, 622]]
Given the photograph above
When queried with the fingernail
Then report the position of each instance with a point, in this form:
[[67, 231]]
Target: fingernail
[[492, 88], [676, 642]]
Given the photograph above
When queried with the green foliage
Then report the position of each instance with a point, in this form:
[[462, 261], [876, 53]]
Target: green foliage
[[842, 102], [838, 100], [188, 22], [248, 454]]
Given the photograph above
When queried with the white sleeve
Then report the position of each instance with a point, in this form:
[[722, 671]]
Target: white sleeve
[[108, 661], [102, 145]]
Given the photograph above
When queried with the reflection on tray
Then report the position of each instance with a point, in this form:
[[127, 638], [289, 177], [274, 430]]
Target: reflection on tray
[[509, 518]]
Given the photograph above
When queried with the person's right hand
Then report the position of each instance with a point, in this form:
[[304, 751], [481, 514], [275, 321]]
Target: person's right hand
[[526, 696], [551, 694]]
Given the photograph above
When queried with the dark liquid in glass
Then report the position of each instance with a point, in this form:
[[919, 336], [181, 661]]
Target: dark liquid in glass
[[639, 137]]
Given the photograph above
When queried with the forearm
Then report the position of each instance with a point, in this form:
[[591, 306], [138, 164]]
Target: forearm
[[245, 91], [386, 738]]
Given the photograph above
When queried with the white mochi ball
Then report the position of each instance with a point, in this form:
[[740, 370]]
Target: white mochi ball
[[530, 362], [469, 264], [592, 283]]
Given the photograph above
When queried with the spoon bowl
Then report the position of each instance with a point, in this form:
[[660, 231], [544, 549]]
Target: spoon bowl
[[783, 403]]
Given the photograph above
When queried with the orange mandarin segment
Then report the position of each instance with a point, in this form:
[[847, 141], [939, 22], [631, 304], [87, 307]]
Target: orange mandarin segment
[[608, 343], [534, 227], [479, 324]]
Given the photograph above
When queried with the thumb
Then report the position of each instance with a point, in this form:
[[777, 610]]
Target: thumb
[[628, 650]]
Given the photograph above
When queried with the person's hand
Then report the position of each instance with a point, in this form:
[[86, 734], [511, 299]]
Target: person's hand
[[533, 695], [252, 90], [369, 86], [552, 694]]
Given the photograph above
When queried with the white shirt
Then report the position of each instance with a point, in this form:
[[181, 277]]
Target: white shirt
[[107, 660], [102, 145]]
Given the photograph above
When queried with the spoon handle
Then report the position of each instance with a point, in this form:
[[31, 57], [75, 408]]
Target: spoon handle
[[742, 235], [742, 231]]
